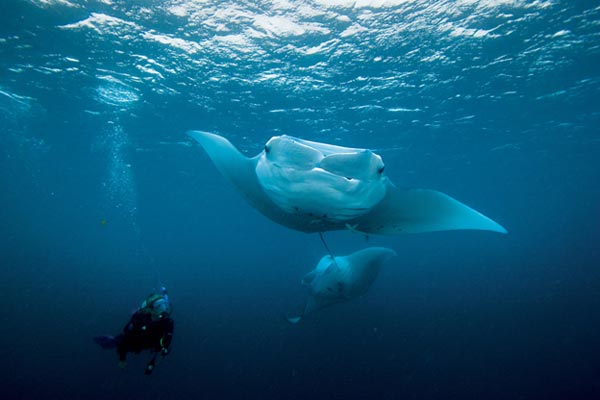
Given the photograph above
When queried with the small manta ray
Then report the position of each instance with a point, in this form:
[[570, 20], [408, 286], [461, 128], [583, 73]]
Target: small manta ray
[[318, 187], [339, 279]]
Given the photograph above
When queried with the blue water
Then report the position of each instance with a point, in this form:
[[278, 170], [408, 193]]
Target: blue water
[[496, 103]]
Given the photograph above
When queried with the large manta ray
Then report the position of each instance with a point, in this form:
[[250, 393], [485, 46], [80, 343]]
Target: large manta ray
[[318, 187]]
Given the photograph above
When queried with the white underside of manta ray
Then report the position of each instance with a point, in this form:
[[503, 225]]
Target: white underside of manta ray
[[318, 187], [340, 279]]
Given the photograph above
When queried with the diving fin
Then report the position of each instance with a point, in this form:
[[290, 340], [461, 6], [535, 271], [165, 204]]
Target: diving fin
[[106, 342]]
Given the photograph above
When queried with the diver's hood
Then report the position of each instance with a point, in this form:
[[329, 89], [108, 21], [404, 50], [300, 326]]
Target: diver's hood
[[158, 305]]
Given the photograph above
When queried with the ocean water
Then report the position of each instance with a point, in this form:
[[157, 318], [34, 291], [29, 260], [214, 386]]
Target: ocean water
[[104, 197]]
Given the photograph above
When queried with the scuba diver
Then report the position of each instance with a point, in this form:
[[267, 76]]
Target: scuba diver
[[150, 328]]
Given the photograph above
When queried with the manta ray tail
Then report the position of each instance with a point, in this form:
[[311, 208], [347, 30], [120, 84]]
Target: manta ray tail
[[327, 248]]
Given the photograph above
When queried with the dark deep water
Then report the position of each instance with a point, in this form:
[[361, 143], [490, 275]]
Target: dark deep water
[[496, 103]]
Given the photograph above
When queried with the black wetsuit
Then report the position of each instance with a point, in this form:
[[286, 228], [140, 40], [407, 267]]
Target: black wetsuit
[[142, 333]]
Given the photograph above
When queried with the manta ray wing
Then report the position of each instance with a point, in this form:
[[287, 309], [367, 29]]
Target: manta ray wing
[[422, 210]]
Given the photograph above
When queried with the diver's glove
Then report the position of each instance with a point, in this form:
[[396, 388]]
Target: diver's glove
[[163, 350], [150, 367]]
